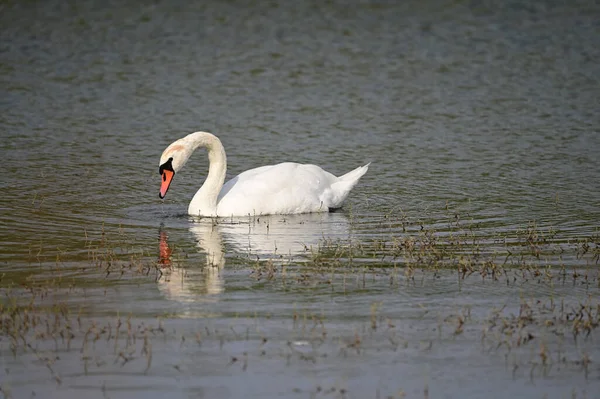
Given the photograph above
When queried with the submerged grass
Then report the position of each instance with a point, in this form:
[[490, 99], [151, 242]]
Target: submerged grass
[[542, 336], [528, 253], [538, 339], [397, 246]]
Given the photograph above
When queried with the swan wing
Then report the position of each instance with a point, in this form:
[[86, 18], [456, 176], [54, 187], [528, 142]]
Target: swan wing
[[284, 188]]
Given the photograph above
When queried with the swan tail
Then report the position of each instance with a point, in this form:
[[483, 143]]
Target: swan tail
[[341, 188], [354, 175]]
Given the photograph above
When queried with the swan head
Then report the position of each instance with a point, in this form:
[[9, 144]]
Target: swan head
[[171, 161]]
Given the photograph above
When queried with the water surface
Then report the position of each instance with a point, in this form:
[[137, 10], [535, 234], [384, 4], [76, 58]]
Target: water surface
[[481, 124]]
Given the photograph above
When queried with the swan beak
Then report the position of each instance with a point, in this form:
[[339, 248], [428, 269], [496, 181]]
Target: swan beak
[[167, 177]]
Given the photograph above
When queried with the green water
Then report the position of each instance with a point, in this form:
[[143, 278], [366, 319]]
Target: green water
[[475, 227]]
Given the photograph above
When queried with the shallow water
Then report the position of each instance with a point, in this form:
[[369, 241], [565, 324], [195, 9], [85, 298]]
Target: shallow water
[[481, 124]]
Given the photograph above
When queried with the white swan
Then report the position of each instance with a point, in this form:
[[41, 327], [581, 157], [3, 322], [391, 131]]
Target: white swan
[[285, 188]]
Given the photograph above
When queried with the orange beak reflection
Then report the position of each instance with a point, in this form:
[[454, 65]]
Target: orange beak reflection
[[167, 177], [164, 252]]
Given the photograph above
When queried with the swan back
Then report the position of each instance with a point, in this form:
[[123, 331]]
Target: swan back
[[285, 188]]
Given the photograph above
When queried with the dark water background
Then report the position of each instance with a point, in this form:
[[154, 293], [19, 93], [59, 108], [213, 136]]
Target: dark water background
[[489, 109]]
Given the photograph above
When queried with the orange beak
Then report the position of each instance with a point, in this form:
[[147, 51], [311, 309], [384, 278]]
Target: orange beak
[[167, 177]]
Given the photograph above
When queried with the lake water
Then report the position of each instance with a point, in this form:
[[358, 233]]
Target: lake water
[[464, 263]]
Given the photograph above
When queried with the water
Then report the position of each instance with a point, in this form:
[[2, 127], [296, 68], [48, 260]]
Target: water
[[479, 118]]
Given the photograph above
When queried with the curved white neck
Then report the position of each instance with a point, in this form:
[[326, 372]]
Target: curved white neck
[[205, 200]]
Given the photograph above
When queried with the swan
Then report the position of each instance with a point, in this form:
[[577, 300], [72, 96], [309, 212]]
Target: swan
[[285, 188]]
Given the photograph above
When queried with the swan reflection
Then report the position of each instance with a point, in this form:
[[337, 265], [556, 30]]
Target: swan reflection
[[280, 236], [274, 237], [188, 284]]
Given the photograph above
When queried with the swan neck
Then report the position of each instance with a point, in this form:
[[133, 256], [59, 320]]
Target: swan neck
[[206, 199]]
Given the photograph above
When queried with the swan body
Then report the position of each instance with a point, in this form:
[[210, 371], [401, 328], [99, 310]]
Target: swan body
[[285, 188]]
